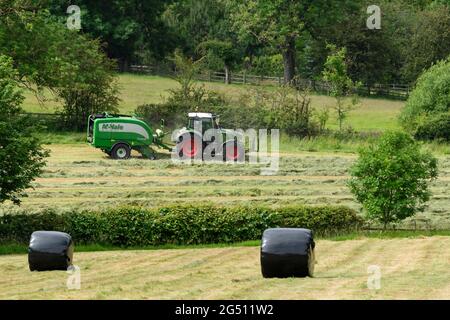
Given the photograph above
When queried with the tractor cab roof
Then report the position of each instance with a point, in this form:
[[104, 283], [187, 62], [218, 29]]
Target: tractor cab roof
[[202, 115]]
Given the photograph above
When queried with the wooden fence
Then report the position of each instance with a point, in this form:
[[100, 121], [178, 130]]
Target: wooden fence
[[396, 91]]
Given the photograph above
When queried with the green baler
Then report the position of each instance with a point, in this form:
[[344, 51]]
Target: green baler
[[117, 135]]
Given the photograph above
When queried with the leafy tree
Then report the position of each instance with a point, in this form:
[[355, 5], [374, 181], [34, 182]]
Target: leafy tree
[[391, 177], [70, 64], [219, 55], [341, 86], [185, 71], [430, 97], [372, 55], [197, 21], [280, 23], [92, 89], [21, 155], [126, 26], [204, 30], [427, 41]]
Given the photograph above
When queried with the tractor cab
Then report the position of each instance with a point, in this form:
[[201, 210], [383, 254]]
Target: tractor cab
[[208, 121]]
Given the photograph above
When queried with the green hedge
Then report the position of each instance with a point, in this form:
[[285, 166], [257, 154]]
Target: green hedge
[[137, 226]]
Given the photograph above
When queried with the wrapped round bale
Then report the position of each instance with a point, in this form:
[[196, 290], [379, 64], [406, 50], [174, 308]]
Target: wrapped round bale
[[287, 252], [50, 250]]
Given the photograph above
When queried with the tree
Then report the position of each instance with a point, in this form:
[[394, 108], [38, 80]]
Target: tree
[[48, 55], [341, 86], [391, 177], [430, 97], [21, 155], [372, 55], [219, 55], [280, 23], [126, 26], [204, 29], [428, 41]]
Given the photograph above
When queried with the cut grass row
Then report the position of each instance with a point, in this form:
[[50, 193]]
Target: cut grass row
[[410, 269], [75, 173]]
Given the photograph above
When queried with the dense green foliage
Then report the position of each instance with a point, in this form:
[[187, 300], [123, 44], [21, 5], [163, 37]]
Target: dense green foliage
[[391, 178], [47, 54], [136, 226], [429, 100], [132, 29], [267, 37], [21, 155], [436, 127]]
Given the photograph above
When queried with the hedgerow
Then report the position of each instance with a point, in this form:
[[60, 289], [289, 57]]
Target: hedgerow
[[188, 224]]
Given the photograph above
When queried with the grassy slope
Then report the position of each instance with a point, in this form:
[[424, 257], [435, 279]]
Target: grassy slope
[[410, 269], [374, 114]]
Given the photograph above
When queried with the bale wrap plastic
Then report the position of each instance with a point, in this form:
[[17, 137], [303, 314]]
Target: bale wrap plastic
[[287, 252], [50, 250]]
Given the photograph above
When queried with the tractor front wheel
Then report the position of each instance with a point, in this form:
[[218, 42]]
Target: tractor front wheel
[[121, 151]]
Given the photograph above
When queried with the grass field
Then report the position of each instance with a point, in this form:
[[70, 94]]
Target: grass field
[[312, 172], [374, 114], [78, 176], [410, 269]]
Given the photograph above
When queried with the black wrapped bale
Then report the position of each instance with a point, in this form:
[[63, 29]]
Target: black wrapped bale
[[50, 250], [287, 252]]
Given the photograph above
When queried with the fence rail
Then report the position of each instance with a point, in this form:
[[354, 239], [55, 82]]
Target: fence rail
[[397, 91]]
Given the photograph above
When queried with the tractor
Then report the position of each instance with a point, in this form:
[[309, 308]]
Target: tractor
[[117, 135], [191, 141]]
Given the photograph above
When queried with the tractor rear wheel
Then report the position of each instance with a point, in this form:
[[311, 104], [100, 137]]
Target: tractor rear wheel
[[121, 151], [189, 147], [233, 151]]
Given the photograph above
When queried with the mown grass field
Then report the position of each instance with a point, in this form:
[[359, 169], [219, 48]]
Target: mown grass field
[[80, 177], [410, 269], [140, 89], [312, 172]]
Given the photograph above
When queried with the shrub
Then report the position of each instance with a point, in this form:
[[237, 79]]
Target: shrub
[[435, 128], [137, 226], [430, 97], [22, 157], [391, 177], [189, 96], [174, 115]]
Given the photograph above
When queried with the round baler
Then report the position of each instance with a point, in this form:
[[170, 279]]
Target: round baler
[[117, 135]]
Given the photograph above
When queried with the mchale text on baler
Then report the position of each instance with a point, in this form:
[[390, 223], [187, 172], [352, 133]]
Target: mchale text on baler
[[117, 135]]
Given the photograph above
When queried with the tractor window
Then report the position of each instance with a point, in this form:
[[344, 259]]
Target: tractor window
[[207, 123]]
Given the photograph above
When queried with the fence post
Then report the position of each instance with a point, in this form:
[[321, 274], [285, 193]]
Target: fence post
[[244, 77]]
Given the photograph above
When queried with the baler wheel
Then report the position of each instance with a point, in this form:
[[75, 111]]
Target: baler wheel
[[121, 151]]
